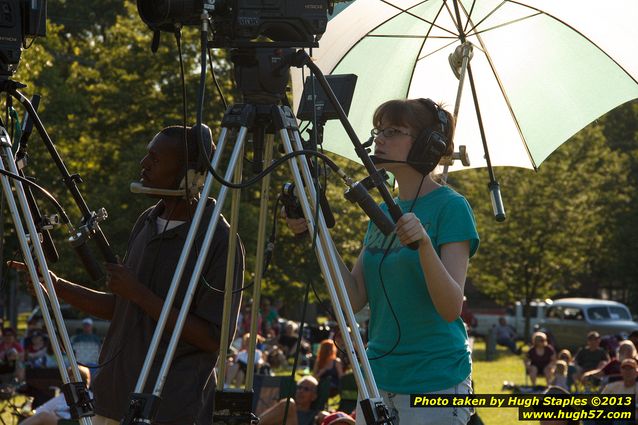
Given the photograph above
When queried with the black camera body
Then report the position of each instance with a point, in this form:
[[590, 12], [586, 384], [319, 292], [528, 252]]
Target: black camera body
[[240, 23], [19, 19]]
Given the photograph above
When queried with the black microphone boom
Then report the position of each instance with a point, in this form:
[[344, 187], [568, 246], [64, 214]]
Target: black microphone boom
[[359, 194]]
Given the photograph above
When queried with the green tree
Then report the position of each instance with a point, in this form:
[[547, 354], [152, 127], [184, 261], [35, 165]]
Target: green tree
[[558, 225]]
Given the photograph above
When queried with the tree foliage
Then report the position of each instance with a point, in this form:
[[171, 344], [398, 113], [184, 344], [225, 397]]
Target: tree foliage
[[572, 226], [562, 224]]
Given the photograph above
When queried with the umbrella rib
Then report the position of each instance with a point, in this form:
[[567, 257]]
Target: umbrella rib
[[505, 24], [469, 16], [549, 15], [432, 24], [421, 48], [412, 36], [369, 33], [505, 97], [437, 50]]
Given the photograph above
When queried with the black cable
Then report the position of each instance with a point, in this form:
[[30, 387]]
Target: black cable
[[298, 349], [184, 115], [65, 217], [314, 162], [178, 40], [332, 316], [219, 89], [270, 248], [385, 292], [272, 167]]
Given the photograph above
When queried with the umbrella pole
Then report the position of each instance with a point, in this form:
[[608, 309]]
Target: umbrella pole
[[495, 188], [465, 50]]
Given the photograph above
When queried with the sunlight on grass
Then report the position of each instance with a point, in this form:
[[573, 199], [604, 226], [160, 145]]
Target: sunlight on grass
[[488, 378]]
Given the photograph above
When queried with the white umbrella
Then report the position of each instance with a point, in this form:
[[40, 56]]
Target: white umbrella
[[543, 69]]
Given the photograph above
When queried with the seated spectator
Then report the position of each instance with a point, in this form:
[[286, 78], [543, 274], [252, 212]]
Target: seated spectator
[[9, 341], [506, 336], [560, 375], [36, 352], [56, 408], [552, 390], [540, 358], [275, 357], [628, 384], [633, 337], [610, 372], [34, 326], [566, 356], [300, 410], [338, 418], [288, 339], [11, 356], [592, 356], [237, 368], [86, 344], [328, 366]]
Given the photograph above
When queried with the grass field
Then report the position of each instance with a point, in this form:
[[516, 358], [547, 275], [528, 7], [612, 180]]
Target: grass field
[[488, 378]]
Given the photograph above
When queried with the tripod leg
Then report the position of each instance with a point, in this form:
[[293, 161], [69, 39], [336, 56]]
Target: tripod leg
[[5, 146], [259, 262], [372, 404], [327, 263], [230, 271]]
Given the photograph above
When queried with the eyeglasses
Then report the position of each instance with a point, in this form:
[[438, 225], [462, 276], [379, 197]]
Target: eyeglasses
[[304, 388], [388, 133]]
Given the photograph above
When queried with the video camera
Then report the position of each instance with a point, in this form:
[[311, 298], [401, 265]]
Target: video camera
[[19, 19], [241, 23]]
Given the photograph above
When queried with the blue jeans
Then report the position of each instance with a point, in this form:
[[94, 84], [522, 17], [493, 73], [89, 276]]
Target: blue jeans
[[399, 407]]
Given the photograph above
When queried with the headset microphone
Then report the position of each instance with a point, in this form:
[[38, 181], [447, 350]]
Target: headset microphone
[[137, 187], [378, 160]]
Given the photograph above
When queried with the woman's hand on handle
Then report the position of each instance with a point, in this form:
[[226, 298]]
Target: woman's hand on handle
[[297, 225], [409, 229]]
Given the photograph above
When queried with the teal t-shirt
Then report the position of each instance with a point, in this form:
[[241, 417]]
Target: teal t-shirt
[[432, 354]]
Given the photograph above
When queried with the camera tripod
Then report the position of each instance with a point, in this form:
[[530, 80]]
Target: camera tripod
[[29, 238], [263, 116]]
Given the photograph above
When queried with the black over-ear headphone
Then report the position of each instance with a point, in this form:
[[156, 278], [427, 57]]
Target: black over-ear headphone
[[197, 161], [431, 144]]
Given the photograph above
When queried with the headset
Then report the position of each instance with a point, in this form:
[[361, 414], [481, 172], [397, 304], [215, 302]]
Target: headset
[[199, 153], [431, 144]]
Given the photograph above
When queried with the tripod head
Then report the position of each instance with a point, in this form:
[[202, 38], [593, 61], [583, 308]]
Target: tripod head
[[261, 74]]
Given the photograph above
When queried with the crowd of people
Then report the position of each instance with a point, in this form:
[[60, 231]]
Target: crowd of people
[[603, 364], [276, 344], [33, 350]]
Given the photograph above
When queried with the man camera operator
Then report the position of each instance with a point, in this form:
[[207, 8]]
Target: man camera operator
[[140, 283]]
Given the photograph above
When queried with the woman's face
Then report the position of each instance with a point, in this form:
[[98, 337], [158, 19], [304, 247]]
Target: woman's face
[[393, 142], [539, 341]]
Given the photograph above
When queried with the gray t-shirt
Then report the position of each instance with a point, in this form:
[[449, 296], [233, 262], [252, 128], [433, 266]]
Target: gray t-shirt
[[188, 391]]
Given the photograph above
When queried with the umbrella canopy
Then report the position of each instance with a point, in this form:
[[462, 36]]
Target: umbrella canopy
[[543, 69]]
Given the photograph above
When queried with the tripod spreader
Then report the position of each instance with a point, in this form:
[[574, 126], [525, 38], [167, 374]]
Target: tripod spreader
[[375, 412], [78, 399], [234, 408], [142, 409]]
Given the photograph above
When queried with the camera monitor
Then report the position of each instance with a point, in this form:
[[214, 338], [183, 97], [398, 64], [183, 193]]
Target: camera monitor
[[343, 87]]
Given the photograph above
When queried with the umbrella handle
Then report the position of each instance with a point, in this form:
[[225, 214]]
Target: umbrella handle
[[497, 200]]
